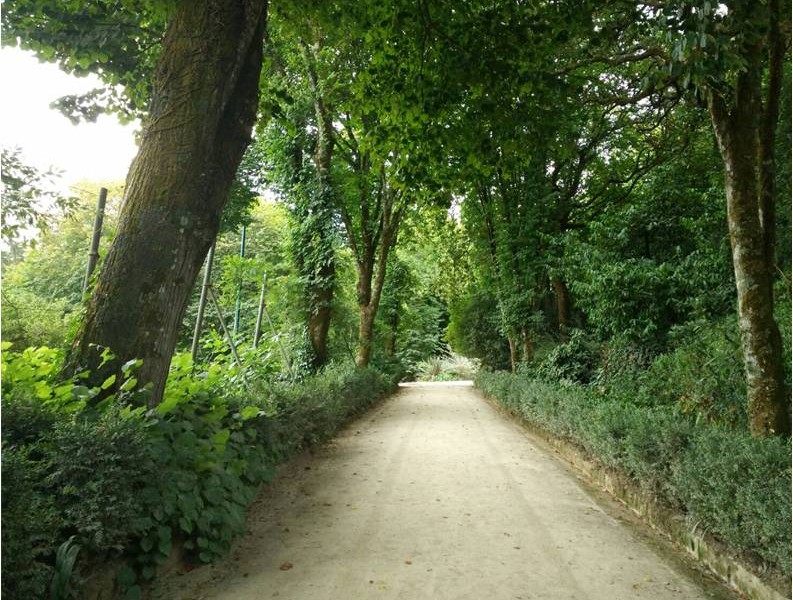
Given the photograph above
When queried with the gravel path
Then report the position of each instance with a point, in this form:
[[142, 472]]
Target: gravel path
[[435, 495]]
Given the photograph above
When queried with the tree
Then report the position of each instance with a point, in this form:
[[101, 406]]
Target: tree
[[43, 289], [744, 117], [203, 106], [300, 146], [731, 57]]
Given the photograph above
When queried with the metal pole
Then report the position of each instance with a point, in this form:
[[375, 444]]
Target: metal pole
[[278, 339], [202, 302], [257, 331], [93, 255], [225, 329], [239, 285]]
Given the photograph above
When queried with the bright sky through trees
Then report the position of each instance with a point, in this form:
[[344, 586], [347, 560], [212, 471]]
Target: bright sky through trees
[[95, 151]]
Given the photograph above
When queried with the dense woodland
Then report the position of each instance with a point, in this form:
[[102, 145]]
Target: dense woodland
[[588, 202]]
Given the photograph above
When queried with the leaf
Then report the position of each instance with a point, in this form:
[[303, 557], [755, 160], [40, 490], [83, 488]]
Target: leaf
[[108, 382], [130, 365], [126, 577], [129, 384], [249, 412]]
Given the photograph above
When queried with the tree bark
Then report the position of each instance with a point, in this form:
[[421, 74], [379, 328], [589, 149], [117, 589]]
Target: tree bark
[[562, 295], [204, 102], [370, 285], [528, 346], [737, 133], [513, 354], [365, 336]]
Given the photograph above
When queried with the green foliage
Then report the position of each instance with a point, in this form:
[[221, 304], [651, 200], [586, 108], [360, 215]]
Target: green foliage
[[42, 288], [450, 368], [736, 486], [30, 521], [31, 375], [116, 40], [703, 375], [121, 482], [575, 361], [98, 469], [65, 559], [474, 330], [29, 197], [309, 413], [741, 486]]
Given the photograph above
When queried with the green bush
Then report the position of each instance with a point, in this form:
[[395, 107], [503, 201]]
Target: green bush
[[98, 468], [740, 487], [474, 330], [311, 412], [575, 361], [128, 483], [30, 525], [736, 486], [703, 375]]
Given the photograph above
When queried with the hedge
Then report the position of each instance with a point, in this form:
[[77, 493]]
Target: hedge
[[736, 486]]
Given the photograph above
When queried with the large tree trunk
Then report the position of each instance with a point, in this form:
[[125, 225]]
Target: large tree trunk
[[365, 336], [204, 101], [737, 132]]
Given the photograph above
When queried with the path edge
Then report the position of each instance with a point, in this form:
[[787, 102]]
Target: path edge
[[707, 551]]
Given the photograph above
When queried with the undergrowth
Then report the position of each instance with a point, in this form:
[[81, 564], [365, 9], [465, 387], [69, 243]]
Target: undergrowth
[[107, 481], [736, 486]]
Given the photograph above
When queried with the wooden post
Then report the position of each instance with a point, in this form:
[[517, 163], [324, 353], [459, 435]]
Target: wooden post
[[239, 285], [257, 331], [202, 302], [93, 254]]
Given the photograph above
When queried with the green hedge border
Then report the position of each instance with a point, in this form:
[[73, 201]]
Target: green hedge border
[[737, 487]]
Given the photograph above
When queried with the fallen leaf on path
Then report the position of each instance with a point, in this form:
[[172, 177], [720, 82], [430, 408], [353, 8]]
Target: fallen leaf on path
[[286, 566]]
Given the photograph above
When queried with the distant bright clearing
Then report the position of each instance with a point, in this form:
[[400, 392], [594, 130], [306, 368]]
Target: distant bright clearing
[[95, 151]]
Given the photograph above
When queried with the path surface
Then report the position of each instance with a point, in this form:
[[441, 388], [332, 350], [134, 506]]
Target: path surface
[[435, 495]]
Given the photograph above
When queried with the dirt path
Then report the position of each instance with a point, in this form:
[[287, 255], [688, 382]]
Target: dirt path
[[436, 495]]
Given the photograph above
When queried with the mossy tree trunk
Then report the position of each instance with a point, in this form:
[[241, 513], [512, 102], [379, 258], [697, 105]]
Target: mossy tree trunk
[[744, 127], [204, 102]]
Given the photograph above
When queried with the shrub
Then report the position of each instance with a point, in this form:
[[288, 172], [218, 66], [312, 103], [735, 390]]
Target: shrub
[[447, 368], [30, 525], [98, 468], [736, 486], [703, 375], [126, 483], [740, 487], [575, 361], [474, 330]]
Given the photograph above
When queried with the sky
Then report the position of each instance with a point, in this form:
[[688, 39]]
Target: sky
[[99, 151]]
